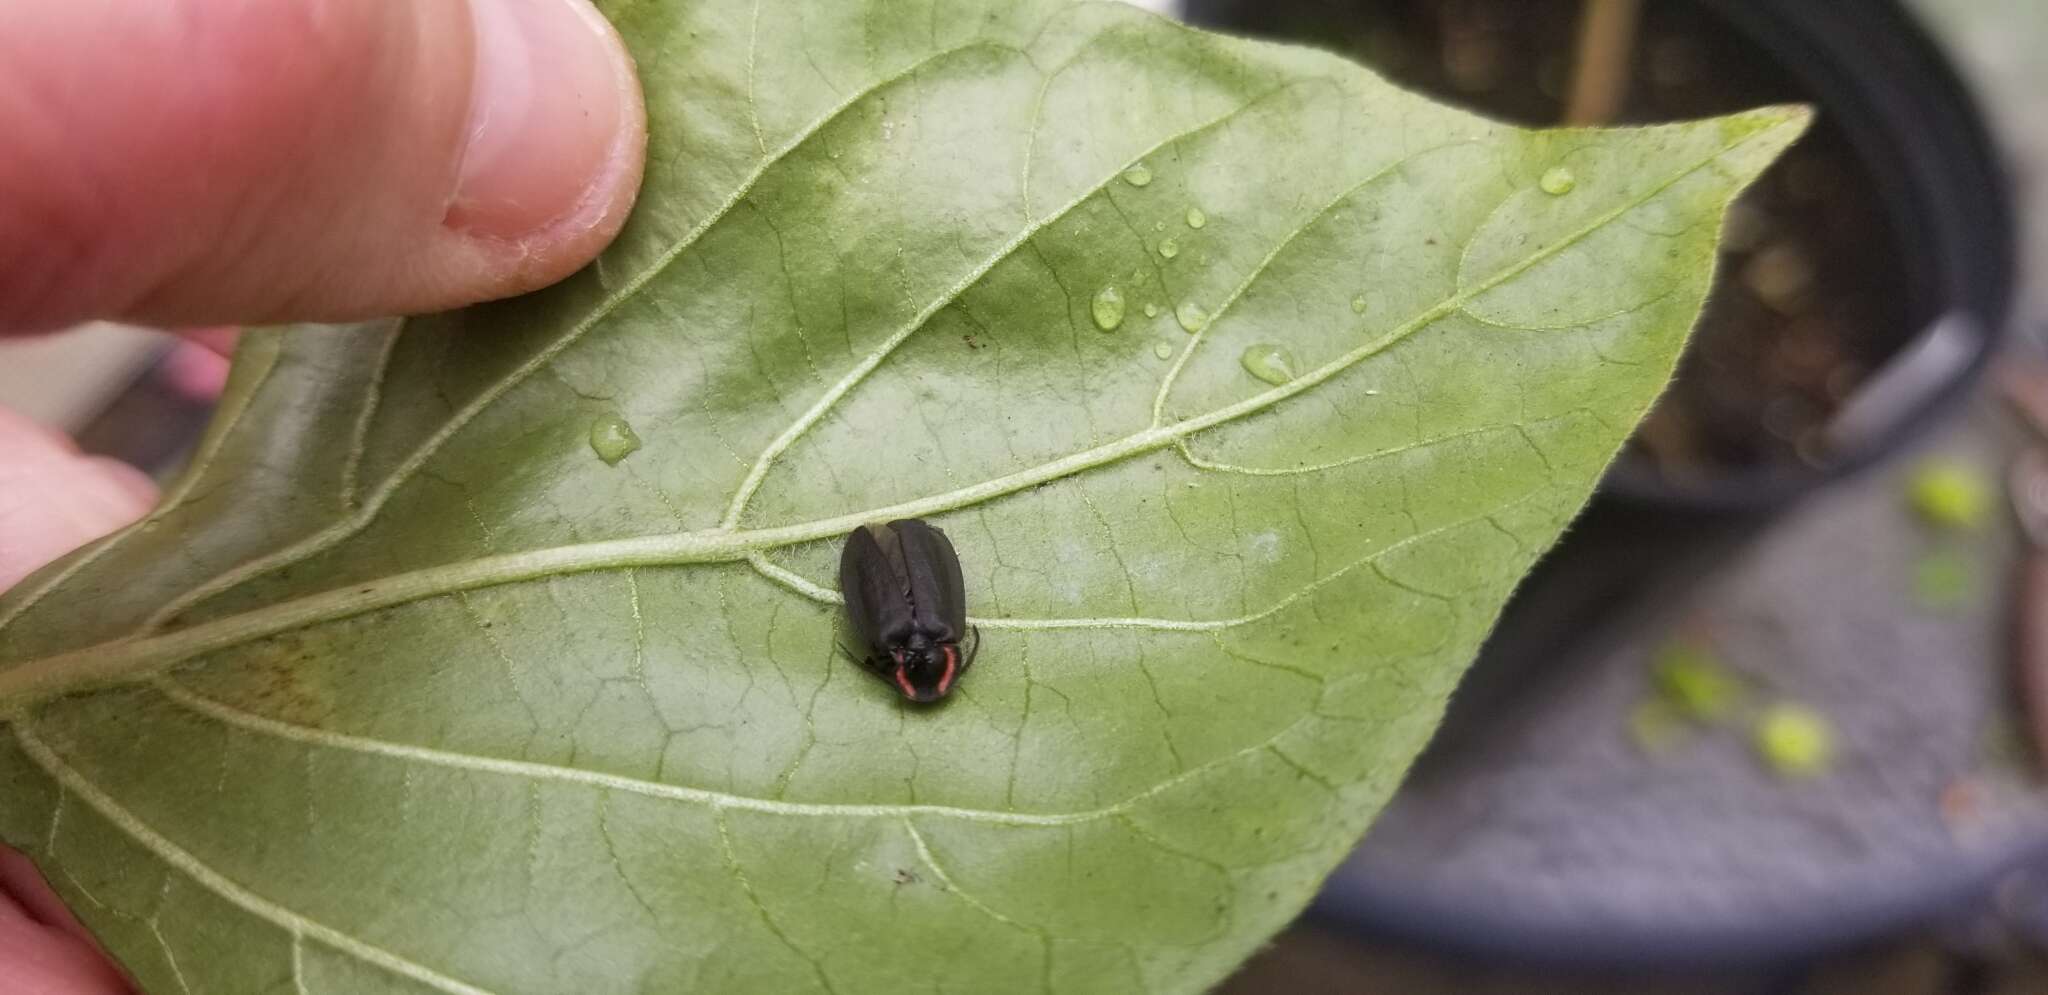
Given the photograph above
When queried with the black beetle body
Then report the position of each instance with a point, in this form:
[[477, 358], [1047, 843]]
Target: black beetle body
[[906, 601]]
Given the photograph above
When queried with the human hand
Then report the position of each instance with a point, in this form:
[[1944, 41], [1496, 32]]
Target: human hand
[[192, 162]]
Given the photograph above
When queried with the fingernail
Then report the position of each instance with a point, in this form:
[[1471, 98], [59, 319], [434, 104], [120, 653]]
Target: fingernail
[[546, 108]]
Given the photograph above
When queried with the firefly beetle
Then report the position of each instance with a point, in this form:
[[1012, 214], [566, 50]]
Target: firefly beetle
[[905, 598]]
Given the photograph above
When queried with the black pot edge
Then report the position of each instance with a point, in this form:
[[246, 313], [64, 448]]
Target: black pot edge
[[1473, 932], [1916, 127]]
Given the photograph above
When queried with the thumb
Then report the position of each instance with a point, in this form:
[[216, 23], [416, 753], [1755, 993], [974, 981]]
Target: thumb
[[54, 498], [237, 161]]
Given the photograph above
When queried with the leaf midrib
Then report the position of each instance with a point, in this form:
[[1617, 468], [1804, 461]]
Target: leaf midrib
[[301, 927], [298, 926], [852, 378], [432, 756]]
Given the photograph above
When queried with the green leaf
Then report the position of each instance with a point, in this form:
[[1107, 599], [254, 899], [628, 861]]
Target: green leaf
[[406, 687]]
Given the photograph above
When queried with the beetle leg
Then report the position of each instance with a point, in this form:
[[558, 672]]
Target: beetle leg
[[968, 659], [867, 663]]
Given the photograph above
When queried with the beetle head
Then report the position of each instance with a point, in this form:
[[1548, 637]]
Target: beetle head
[[925, 671]]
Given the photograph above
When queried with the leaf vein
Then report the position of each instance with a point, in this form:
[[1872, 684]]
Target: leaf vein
[[226, 422], [881, 353], [205, 876], [1264, 264], [739, 874], [817, 592], [716, 800], [359, 436], [375, 501]]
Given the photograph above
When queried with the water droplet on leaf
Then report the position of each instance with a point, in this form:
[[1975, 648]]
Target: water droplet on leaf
[[1151, 310], [1191, 317], [612, 439], [1269, 362], [1138, 174], [1108, 308], [1163, 351], [1196, 218], [1169, 248], [1557, 181], [1358, 304]]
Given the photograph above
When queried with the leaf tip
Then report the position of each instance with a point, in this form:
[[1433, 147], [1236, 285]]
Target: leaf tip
[[1776, 125], [1755, 138]]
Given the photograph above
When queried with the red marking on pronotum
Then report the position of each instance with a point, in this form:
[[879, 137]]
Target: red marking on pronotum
[[952, 665], [903, 681]]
